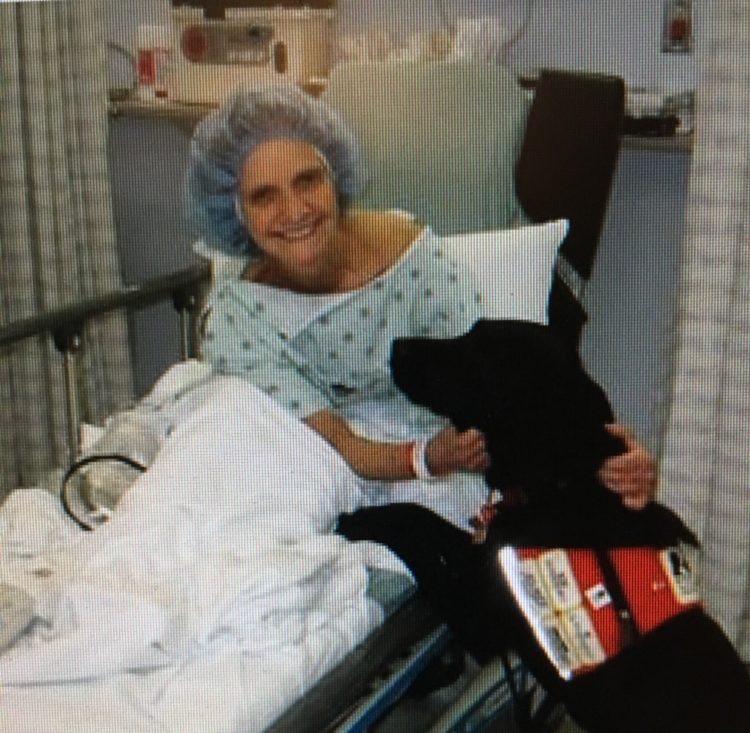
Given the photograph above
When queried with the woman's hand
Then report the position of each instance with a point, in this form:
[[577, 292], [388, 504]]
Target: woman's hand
[[631, 474], [445, 452], [449, 451]]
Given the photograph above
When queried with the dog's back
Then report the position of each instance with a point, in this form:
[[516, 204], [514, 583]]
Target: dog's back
[[544, 419]]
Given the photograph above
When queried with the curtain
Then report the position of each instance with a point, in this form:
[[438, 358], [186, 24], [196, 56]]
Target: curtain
[[57, 243], [706, 460]]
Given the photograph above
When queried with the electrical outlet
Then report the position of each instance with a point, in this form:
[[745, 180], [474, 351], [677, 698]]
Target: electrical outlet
[[677, 26]]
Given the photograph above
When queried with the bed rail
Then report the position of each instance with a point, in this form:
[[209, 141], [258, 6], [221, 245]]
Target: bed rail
[[65, 325], [356, 692], [182, 286]]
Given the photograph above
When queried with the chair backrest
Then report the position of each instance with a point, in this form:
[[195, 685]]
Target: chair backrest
[[440, 139], [565, 169]]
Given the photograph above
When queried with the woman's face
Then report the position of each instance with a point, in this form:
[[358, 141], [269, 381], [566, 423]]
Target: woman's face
[[289, 203]]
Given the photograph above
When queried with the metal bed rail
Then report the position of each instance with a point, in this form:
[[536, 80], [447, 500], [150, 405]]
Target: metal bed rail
[[376, 674], [65, 326], [359, 692], [362, 687]]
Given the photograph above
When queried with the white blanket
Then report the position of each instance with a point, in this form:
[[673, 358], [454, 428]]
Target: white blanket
[[214, 596]]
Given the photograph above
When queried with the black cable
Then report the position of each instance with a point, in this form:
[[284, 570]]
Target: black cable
[[85, 462], [521, 29], [130, 58]]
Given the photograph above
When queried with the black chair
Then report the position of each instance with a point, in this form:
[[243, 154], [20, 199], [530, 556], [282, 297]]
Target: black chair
[[565, 169]]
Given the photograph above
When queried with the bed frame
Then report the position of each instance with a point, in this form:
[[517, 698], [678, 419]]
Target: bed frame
[[565, 169]]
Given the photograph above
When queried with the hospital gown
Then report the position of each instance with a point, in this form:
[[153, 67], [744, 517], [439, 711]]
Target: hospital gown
[[313, 352]]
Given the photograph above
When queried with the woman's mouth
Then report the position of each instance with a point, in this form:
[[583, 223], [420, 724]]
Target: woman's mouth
[[299, 233]]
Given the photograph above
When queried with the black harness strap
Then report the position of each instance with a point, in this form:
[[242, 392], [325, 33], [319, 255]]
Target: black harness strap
[[628, 630]]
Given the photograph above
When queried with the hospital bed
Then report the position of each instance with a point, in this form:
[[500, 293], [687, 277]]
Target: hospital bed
[[470, 149]]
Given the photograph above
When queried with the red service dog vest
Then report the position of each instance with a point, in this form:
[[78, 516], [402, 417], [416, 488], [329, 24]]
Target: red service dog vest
[[564, 599]]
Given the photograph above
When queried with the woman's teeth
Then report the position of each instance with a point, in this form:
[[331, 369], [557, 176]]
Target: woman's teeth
[[294, 234]]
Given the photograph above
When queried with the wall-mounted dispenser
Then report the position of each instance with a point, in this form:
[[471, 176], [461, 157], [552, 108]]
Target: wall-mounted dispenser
[[677, 26]]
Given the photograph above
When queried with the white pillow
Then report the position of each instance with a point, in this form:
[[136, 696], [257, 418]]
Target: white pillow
[[223, 266], [513, 268]]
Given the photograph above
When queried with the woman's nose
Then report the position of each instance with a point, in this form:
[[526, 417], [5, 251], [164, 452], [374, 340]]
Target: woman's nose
[[293, 206]]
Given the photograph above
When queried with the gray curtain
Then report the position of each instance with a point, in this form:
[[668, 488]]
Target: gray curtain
[[706, 459], [57, 242]]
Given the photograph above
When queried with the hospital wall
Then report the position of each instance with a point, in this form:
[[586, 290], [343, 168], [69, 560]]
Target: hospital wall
[[632, 289], [599, 35]]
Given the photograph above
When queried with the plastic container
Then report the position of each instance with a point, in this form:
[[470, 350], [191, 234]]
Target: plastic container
[[212, 57], [155, 57]]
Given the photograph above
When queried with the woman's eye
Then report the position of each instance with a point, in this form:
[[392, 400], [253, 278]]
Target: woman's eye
[[262, 197], [310, 179]]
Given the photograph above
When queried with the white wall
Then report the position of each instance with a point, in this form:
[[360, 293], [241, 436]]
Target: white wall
[[616, 36]]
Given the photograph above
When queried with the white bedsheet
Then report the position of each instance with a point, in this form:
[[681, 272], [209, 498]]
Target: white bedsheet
[[214, 596]]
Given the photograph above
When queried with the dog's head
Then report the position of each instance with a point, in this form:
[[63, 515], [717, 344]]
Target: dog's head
[[542, 415]]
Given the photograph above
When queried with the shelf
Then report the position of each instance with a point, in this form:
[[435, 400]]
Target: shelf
[[188, 115], [127, 102], [682, 142]]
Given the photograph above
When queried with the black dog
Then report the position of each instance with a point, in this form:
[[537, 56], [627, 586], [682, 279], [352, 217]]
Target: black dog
[[544, 420], [543, 417]]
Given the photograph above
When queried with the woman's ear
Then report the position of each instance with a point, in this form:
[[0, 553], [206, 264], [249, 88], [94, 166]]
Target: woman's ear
[[239, 211]]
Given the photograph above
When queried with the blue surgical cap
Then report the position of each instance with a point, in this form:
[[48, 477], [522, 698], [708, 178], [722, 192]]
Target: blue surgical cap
[[223, 140]]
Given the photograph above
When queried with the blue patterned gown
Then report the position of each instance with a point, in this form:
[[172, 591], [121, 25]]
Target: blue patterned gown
[[313, 352]]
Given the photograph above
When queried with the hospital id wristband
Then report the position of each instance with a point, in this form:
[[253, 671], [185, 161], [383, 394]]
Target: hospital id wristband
[[419, 460], [405, 452]]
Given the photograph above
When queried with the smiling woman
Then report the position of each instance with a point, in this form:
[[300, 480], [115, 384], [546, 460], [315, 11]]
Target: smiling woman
[[308, 244], [226, 140], [327, 290], [288, 203]]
